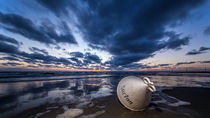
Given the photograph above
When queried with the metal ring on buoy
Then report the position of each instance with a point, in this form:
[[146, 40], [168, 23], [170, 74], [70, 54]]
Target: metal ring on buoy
[[150, 84]]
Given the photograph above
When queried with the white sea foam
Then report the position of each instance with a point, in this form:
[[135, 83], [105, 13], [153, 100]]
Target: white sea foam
[[179, 103], [84, 103], [40, 114], [169, 100]]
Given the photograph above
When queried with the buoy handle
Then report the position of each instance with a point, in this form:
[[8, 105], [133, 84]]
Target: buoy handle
[[150, 84]]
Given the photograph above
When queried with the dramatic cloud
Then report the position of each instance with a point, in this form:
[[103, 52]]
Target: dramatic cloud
[[134, 66], [57, 6], [127, 30], [9, 40], [30, 57], [10, 58], [34, 49], [127, 58], [91, 58], [46, 59], [204, 61], [11, 64], [76, 61], [77, 54], [161, 65], [175, 41], [207, 31], [8, 45], [200, 51], [185, 63], [7, 48], [41, 58], [204, 48], [45, 33]]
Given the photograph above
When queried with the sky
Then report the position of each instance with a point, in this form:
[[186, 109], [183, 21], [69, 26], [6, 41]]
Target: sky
[[78, 35]]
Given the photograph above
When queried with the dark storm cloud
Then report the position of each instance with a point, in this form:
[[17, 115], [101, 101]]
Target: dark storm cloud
[[91, 58], [41, 57], [97, 47], [48, 66], [185, 63], [175, 41], [129, 30], [194, 52], [11, 64], [83, 61], [8, 45], [77, 54], [34, 49], [30, 57], [46, 59], [132, 30], [10, 58], [135, 66], [204, 48], [30, 60], [8, 48], [200, 51], [57, 6], [45, 33], [31, 66], [161, 65], [207, 31], [204, 61], [128, 58], [76, 61], [9, 40]]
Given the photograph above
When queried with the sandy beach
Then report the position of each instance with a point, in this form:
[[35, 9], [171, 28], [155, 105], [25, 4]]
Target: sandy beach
[[95, 96], [110, 107]]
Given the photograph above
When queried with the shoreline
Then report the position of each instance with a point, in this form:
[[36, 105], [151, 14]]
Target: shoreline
[[109, 106]]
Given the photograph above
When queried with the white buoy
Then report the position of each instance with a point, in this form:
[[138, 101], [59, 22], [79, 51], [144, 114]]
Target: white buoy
[[135, 93]]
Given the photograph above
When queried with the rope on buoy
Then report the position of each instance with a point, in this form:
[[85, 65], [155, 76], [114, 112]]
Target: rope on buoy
[[150, 84]]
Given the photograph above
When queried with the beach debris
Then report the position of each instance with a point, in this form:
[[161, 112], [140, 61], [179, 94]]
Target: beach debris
[[135, 93]]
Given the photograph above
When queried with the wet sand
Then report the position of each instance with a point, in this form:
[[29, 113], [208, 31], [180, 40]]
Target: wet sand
[[198, 97], [110, 107]]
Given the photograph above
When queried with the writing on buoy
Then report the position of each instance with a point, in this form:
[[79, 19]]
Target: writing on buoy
[[135, 93]]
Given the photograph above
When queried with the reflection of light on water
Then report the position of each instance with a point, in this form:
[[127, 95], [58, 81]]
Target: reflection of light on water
[[33, 94], [180, 81], [6, 88], [104, 90], [93, 84]]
